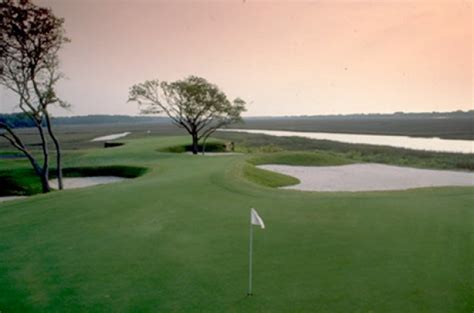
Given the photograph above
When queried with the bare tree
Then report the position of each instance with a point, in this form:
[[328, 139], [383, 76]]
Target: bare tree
[[30, 39], [193, 104]]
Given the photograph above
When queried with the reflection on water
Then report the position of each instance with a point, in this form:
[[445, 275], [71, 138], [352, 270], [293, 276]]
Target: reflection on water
[[430, 144]]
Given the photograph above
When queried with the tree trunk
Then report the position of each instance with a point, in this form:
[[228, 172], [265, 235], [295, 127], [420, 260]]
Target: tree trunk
[[45, 182], [195, 146], [40, 172], [45, 170], [59, 168], [43, 179]]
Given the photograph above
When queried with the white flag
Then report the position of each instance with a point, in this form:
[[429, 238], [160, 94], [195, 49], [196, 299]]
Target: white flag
[[255, 219]]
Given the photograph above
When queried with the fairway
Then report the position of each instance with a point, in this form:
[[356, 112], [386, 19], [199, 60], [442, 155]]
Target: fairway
[[176, 240]]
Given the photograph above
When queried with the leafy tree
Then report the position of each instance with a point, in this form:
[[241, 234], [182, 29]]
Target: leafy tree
[[30, 38], [192, 103]]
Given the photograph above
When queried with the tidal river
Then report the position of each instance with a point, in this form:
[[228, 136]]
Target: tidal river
[[416, 143]]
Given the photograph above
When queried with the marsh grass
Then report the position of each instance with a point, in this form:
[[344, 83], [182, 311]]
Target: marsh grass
[[252, 143]]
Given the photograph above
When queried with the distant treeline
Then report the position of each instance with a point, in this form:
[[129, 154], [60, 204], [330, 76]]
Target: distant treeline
[[454, 125], [17, 120], [107, 119], [363, 116]]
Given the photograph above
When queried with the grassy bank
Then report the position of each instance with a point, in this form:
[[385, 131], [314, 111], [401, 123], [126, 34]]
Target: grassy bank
[[273, 179]]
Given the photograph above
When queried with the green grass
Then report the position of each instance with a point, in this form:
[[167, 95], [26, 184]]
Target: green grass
[[267, 178], [176, 240], [319, 158], [273, 179], [19, 181]]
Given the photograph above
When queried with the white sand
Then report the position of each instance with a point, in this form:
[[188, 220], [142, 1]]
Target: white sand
[[81, 182], [369, 177], [111, 137], [76, 182], [9, 198]]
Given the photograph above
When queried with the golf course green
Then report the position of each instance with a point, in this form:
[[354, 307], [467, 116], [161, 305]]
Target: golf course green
[[176, 240]]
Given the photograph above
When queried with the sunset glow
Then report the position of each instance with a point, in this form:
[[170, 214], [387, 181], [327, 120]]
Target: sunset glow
[[283, 58]]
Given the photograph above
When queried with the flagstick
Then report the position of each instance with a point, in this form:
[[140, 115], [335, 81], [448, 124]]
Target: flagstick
[[250, 259]]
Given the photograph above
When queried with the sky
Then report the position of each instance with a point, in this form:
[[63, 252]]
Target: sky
[[281, 57]]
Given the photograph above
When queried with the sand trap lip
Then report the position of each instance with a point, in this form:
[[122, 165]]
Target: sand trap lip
[[10, 198], [369, 177], [81, 182], [111, 137], [75, 182]]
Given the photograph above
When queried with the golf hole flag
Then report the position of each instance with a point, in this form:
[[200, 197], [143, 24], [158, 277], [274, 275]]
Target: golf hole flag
[[255, 219]]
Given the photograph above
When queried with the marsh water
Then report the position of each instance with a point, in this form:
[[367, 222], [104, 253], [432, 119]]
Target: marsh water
[[416, 143]]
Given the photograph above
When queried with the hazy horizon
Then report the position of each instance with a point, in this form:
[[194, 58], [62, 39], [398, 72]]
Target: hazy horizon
[[267, 116], [283, 58]]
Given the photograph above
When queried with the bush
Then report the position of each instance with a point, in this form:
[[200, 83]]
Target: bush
[[210, 147]]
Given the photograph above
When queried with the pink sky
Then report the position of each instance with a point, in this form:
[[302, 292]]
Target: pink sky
[[282, 57]]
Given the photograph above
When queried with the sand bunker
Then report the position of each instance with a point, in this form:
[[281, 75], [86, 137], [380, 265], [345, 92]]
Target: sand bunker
[[75, 182], [111, 137], [81, 182], [9, 198], [369, 177]]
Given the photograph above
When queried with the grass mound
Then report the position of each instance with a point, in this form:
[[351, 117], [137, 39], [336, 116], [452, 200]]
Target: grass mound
[[19, 182], [267, 178], [272, 179], [300, 158]]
